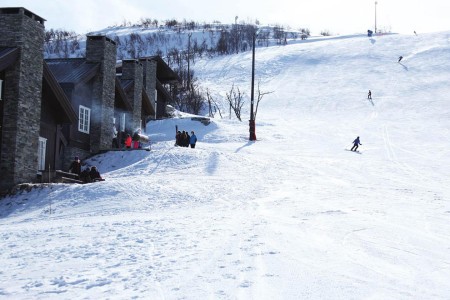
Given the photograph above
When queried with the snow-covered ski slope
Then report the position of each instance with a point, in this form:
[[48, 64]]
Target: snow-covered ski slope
[[291, 216]]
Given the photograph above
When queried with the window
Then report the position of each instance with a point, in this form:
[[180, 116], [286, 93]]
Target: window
[[41, 153], [84, 118], [122, 122]]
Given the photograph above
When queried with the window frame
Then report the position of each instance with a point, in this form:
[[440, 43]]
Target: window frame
[[84, 119], [42, 153]]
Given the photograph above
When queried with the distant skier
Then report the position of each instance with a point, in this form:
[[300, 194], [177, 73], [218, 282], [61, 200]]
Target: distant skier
[[415, 32], [400, 58], [369, 95], [356, 144]]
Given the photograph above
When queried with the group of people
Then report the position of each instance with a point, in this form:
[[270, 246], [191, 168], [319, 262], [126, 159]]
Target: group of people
[[133, 141], [183, 139], [129, 142], [90, 174]]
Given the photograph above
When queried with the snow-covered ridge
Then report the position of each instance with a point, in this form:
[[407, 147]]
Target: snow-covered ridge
[[143, 41]]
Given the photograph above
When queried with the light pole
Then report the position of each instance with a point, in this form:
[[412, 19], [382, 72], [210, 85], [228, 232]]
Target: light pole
[[376, 17], [188, 61], [252, 97]]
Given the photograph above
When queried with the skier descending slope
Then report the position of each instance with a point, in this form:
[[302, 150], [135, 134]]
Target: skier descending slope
[[356, 144]]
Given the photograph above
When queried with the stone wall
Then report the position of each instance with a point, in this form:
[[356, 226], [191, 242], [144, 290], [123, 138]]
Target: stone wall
[[22, 96], [132, 70], [100, 49], [149, 67]]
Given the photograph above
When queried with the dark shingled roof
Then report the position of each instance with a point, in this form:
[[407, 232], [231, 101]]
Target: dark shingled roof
[[163, 92], [121, 97], [72, 71], [60, 99], [163, 72], [147, 105], [8, 56], [126, 84]]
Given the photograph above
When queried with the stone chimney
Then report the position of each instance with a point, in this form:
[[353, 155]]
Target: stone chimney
[[132, 70], [102, 50], [23, 30], [150, 78]]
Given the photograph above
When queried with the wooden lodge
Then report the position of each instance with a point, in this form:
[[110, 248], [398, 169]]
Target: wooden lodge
[[54, 109]]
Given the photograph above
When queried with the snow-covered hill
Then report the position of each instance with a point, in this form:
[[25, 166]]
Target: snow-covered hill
[[290, 216], [169, 41]]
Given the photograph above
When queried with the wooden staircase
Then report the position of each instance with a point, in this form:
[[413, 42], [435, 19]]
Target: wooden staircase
[[59, 176]]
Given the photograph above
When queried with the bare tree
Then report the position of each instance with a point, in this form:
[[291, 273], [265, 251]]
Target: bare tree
[[260, 96], [236, 100], [211, 100], [193, 99]]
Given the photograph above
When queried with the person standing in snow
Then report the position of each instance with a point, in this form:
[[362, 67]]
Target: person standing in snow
[[192, 139], [188, 139], [400, 58], [115, 142], [128, 141], [136, 139], [369, 95], [75, 166], [178, 138], [356, 144], [184, 139]]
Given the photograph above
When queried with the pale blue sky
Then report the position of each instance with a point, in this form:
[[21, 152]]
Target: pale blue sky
[[338, 17]]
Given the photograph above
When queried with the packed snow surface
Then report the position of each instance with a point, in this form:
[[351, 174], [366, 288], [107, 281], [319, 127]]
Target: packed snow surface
[[290, 216]]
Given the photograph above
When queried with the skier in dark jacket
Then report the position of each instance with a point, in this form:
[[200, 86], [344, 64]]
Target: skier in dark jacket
[[356, 144], [400, 58]]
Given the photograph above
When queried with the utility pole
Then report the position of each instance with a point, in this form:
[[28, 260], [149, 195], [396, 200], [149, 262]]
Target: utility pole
[[252, 98], [188, 61], [376, 17]]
